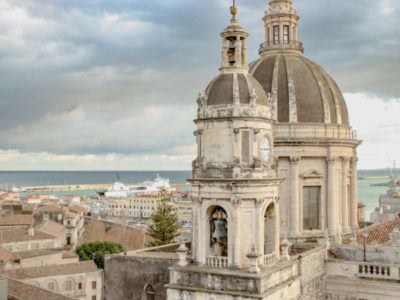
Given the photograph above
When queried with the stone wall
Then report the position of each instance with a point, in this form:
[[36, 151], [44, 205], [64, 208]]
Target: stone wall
[[312, 270], [126, 277]]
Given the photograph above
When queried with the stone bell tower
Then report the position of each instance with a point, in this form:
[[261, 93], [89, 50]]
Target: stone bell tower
[[236, 244], [235, 186]]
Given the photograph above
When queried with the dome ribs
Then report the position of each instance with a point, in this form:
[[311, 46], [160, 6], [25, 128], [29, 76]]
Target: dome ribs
[[283, 91], [292, 95], [309, 106], [319, 79], [221, 92]]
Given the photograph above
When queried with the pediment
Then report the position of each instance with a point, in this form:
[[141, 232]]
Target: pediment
[[311, 174]]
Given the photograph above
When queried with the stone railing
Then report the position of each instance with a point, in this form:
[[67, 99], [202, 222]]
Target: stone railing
[[370, 270], [217, 261], [293, 45], [288, 131], [269, 259]]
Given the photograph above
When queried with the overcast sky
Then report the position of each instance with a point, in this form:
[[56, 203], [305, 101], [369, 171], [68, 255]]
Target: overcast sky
[[108, 85]]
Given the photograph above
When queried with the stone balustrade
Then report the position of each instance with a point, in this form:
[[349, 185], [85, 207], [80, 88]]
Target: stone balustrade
[[374, 271], [356, 269], [217, 261], [269, 259], [325, 131]]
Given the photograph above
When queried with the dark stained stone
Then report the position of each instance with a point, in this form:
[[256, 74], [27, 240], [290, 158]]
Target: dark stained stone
[[315, 90]]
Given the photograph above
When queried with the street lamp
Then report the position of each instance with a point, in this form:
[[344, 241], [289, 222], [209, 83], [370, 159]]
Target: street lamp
[[365, 235]]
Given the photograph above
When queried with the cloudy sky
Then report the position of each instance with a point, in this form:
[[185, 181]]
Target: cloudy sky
[[110, 85]]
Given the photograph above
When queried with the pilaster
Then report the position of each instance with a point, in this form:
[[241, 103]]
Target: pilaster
[[354, 193], [333, 209], [345, 198], [294, 197]]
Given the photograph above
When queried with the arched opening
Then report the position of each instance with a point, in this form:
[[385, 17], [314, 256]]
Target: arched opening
[[218, 232], [150, 293], [269, 229]]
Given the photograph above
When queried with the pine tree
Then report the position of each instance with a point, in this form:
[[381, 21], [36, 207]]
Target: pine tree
[[164, 226]]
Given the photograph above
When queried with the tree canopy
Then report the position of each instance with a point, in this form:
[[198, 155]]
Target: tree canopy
[[164, 223], [97, 250]]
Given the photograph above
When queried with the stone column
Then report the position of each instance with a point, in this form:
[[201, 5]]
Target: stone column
[[277, 228], [260, 234], [354, 193], [345, 198], [294, 197], [333, 209], [233, 240]]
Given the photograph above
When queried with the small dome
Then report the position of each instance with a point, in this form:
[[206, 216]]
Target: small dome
[[303, 91], [221, 91]]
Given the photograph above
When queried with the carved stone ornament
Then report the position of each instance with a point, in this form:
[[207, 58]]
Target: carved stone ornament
[[197, 200], [236, 200], [294, 159], [236, 130], [201, 101], [331, 160], [311, 174]]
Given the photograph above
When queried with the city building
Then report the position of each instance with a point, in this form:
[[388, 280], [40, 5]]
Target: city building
[[82, 280]]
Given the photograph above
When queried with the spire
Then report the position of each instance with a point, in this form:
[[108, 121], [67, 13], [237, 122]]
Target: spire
[[281, 28], [234, 48]]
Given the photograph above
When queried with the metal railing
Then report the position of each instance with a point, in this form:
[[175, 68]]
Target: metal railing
[[292, 45]]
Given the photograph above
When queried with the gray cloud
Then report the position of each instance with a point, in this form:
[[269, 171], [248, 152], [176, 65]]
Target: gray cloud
[[121, 76]]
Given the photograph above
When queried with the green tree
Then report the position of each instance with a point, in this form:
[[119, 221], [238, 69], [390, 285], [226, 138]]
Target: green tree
[[97, 250], [164, 223]]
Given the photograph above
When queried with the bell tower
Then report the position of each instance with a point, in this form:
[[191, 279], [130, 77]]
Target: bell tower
[[235, 185]]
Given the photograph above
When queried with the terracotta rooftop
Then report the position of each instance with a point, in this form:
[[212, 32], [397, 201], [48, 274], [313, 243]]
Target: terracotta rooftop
[[19, 235], [51, 227], [24, 291], [379, 233], [16, 220], [6, 255], [77, 209], [53, 270], [50, 208], [37, 252]]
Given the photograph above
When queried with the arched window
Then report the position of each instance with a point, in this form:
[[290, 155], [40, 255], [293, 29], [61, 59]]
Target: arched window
[[219, 232], [269, 229], [150, 293]]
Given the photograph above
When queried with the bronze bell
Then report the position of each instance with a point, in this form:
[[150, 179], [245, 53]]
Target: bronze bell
[[220, 231]]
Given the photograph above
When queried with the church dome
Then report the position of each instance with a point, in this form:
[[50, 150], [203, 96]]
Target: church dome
[[227, 87], [303, 91]]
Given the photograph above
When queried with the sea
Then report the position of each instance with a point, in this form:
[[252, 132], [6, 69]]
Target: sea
[[367, 193]]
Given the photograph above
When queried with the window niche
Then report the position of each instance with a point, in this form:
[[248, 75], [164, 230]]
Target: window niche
[[218, 232], [269, 229]]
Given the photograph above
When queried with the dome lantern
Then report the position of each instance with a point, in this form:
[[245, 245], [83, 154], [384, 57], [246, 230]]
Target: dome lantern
[[234, 47], [281, 28]]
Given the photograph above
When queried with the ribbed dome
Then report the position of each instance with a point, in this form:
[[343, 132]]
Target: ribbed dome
[[221, 91], [303, 91]]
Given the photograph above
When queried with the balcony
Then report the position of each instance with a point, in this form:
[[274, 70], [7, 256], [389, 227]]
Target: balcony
[[291, 45], [217, 261], [269, 259], [314, 131]]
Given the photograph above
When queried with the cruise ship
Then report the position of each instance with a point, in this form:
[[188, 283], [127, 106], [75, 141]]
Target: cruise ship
[[120, 190]]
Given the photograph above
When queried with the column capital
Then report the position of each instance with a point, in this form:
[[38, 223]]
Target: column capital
[[345, 159], [354, 160], [331, 160], [294, 159]]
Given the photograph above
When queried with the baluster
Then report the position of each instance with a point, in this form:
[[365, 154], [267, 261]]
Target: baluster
[[360, 269], [388, 271]]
